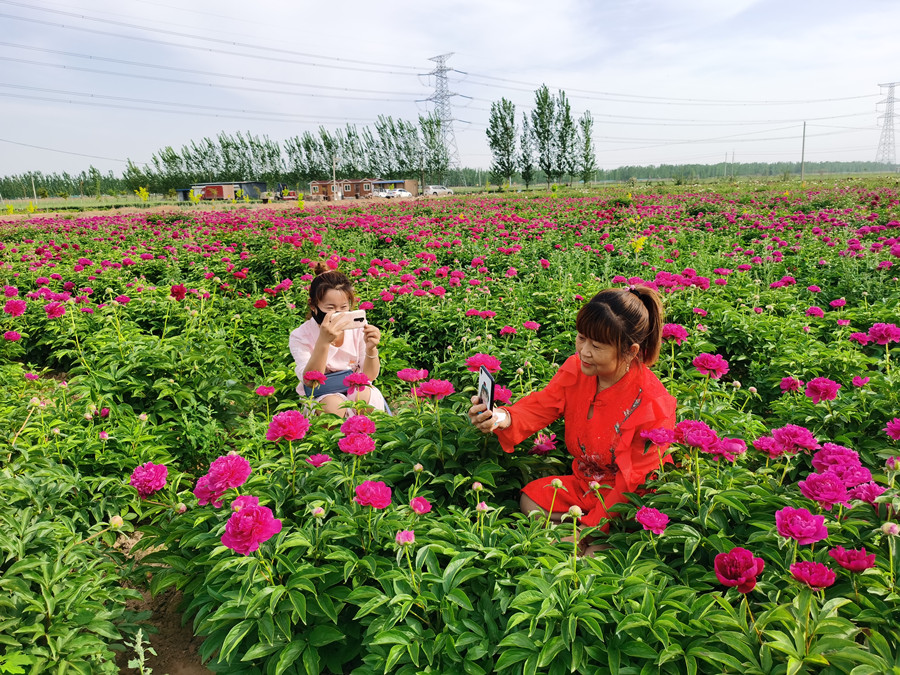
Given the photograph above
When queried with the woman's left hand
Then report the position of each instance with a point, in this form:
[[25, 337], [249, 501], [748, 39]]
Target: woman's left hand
[[372, 336]]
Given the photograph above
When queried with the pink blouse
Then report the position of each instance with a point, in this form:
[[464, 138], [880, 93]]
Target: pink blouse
[[349, 356]]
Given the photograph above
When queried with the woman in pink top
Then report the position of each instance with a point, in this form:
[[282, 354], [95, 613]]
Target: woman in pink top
[[327, 343]]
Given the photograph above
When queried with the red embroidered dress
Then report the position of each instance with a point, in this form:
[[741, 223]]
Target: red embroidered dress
[[602, 435]]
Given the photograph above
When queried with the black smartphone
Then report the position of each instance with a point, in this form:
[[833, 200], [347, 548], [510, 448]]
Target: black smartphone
[[486, 388]]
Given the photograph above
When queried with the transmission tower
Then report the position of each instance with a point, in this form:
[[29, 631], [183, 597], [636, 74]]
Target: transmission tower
[[886, 151], [441, 100]]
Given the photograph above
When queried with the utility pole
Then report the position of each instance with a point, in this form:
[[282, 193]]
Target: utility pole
[[33, 191], [803, 155], [441, 100], [334, 160], [886, 153]]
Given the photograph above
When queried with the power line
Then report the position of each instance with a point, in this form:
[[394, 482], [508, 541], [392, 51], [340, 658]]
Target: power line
[[65, 152]]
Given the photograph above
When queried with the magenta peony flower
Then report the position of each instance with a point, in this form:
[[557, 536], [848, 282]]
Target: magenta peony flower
[[420, 505], [800, 525], [507, 330], [243, 502], [412, 375], [262, 303], [502, 394], [357, 444], [228, 471], [405, 537], [826, 489], [356, 382], [314, 376], [815, 311], [248, 528], [832, 455], [15, 307], [792, 438], [206, 494], [738, 568], [695, 434], [893, 429], [728, 448], [814, 574], [852, 559], [289, 425], [883, 333], [840, 302], [659, 436], [851, 475], [148, 478], [54, 310], [543, 444], [491, 363], [531, 325], [122, 299], [373, 493], [433, 389], [822, 389], [861, 338], [791, 384], [711, 364], [178, 291], [358, 424], [265, 391], [652, 519], [867, 492], [12, 336], [319, 459], [674, 331], [860, 381]]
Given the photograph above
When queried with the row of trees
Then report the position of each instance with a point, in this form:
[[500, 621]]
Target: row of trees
[[551, 140], [392, 149]]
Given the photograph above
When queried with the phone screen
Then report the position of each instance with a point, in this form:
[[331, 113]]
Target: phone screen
[[486, 388]]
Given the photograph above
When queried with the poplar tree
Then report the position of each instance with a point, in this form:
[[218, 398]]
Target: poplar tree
[[543, 126], [501, 133], [526, 152], [587, 160], [567, 138]]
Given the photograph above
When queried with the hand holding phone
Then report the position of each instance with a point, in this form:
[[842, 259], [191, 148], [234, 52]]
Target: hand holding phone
[[486, 388], [357, 318]]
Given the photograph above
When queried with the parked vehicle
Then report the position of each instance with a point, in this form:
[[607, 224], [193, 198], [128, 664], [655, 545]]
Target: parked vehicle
[[400, 192], [437, 190], [380, 193]]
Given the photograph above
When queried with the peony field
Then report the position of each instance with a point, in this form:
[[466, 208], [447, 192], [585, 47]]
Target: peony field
[[153, 439]]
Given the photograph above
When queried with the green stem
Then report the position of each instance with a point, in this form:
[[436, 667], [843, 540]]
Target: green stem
[[575, 549], [166, 322], [412, 575], [696, 458], [552, 502]]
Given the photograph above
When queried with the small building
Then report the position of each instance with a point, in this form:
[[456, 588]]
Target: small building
[[352, 188], [223, 190]]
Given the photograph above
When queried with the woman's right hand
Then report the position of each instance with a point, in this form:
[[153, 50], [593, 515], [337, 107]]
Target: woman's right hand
[[482, 418], [333, 327]]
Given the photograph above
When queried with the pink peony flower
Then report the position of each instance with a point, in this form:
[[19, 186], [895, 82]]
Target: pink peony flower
[[373, 493], [815, 311], [289, 425], [851, 475], [228, 471], [867, 492], [826, 489], [205, 494], [861, 338], [405, 537], [314, 376], [659, 436], [507, 330], [248, 528], [822, 389], [358, 424], [502, 394], [792, 438], [543, 444], [433, 389], [652, 519], [860, 381], [738, 568], [12, 336], [711, 364], [674, 331], [412, 375], [357, 444], [893, 429], [178, 291], [356, 382], [814, 574], [883, 333], [244, 501], [148, 478], [791, 384], [800, 525], [15, 307], [122, 299], [318, 460], [728, 448], [54, 310], [265, 391], [491, 363], [695, 434], [420, 505], [840, 302], [531, 325], [262, 303], [852, 559], [832, 455]]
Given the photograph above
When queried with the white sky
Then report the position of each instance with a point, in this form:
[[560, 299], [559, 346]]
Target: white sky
[[667, 81]]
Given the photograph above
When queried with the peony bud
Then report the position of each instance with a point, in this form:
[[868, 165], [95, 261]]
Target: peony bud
[[891, 529], [556, 484], [418, 468], [116, 522], [477, 487]]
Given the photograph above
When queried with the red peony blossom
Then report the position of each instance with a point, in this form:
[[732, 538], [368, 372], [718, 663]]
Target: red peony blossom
[[433, 389], [543, 444], [861, 338], [15, 307], [263, 390], [826, 489], [502, 394], [420, 505], [491, 363], [122, 299], [852, 559], [12, 336], [244, 501], [358, 424], [652, 519], [54, 310], [148, 478], [261, 303], [357, 444], [791, 384], [289, 425], [832, 455], [228, 471], [373, 493], [814, 574], [738, 568], [412, 375], [800, 525], [659, 436], [318, 460], [893, 429], [356, 382], [728, 448], [178, 291], [822, 389], [531, 325], [883, 333], [314, 376], [507, 330], [867, 492], [713, 365], [792, 438], [248, 528], [674, 331], [695, 434]]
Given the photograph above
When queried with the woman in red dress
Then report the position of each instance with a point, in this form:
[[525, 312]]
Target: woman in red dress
[[606, 395]]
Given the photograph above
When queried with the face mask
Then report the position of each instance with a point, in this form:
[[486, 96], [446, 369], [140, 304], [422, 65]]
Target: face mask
[[318, 315]]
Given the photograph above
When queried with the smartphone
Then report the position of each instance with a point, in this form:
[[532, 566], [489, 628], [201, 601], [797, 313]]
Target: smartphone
[[358, 316], [486, 388]]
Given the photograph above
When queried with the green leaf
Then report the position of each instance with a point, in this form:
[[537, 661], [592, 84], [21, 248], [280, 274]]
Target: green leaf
[[552, 647], [289, 655], [459, 597], [237, 633], [323, 634]]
